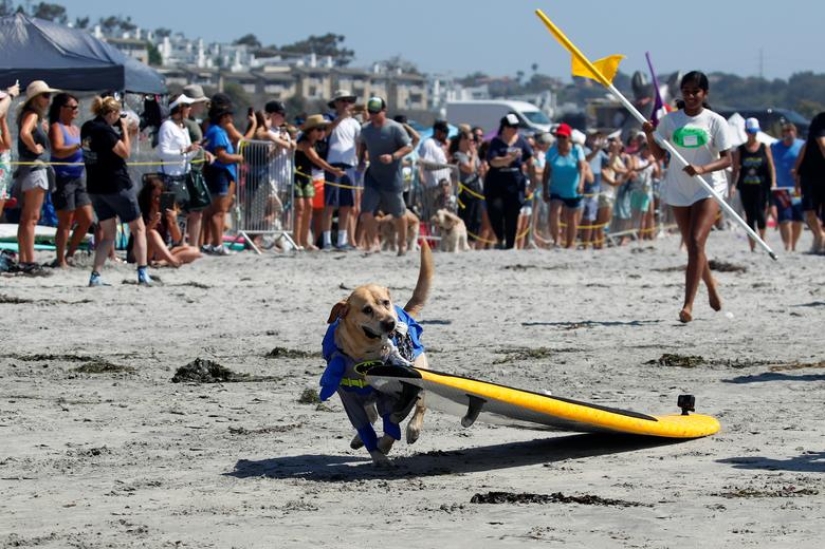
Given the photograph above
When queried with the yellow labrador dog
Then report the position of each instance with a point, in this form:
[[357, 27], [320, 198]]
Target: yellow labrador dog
[[386, 231], [453, 231], [367, 330]]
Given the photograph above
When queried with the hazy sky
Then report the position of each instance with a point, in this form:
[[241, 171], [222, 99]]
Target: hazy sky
[[458, 37]]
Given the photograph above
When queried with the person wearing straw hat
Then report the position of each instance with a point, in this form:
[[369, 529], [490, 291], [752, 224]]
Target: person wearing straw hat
[[306, 160], [340, 193], [34, 173]]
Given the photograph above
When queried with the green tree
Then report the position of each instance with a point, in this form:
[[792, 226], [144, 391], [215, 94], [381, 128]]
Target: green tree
[[396, 63], [81, 23], [240, 99], [162, 32], [329, 44], [155, 58], [50, 12], [249, 40]]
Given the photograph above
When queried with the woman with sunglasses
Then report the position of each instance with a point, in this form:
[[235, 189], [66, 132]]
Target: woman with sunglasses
[[70, 199], [34, 172], [307, 159]]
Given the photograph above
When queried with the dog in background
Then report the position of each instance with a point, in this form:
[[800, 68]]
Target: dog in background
[[367, 330], [453, 231], [386, 231]]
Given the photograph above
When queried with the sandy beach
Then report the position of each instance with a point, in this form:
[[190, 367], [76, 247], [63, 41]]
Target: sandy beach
[[100, 448]]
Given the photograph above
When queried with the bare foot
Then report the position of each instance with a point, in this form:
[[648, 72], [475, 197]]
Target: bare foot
[[713, 296], [685, 315]]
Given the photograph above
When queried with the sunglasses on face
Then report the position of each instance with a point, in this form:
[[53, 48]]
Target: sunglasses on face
[[73, 107]]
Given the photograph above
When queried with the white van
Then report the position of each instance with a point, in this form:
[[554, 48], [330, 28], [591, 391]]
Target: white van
[[487, 113]]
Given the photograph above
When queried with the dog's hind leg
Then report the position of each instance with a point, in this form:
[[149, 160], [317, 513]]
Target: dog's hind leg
[[372, 413]]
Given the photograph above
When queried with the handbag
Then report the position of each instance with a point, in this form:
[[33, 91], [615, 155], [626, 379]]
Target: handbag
[[199, 197]]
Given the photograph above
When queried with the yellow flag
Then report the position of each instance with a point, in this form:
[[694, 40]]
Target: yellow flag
[[607, 66]]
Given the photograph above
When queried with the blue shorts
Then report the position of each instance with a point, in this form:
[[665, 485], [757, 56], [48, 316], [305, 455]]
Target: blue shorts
[[787, 209], [338, 191], [591, 208], [121, 204], [218, 180]]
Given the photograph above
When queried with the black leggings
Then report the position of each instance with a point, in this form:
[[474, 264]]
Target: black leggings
[[503, 207], [754, 202]]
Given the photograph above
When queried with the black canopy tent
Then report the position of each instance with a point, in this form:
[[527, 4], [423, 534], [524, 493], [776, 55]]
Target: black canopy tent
[[69, 59]]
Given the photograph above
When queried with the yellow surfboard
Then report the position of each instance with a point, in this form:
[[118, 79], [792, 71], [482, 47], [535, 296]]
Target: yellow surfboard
[[472, 400]]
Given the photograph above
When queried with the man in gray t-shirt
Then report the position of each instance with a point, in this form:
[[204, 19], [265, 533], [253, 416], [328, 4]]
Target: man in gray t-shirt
[[387, 143]]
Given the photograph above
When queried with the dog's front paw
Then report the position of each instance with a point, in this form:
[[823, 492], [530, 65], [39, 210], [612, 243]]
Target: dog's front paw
[[356, 442], [381, 460]]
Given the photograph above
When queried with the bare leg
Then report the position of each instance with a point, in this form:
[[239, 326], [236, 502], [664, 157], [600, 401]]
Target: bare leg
[[65, 218], [83, 218], [695, 223], [32, 202], [401, 233], [193, 228]]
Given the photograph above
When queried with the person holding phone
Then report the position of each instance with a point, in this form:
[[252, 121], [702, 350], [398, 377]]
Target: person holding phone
[[105, 151], [164, 246]]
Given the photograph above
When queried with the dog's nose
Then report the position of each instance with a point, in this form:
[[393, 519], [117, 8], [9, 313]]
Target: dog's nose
[[388, 325]]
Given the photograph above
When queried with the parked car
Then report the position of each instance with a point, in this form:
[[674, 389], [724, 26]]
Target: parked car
[[771, 120]]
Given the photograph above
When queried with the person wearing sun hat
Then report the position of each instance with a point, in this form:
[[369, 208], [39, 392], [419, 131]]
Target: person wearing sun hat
[[35, 176], [307, 161], [340, 193]]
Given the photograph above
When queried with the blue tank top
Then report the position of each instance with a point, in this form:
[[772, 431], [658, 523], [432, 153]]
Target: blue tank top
[[75, 158]]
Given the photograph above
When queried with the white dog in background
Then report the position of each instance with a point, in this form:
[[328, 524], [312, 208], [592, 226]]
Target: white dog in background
[[453, 231]]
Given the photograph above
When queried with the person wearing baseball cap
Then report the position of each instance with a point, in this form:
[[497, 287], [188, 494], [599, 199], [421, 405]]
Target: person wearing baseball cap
[[563, 185], [754, 176], [387, 143], [505, 187], [432, 155]]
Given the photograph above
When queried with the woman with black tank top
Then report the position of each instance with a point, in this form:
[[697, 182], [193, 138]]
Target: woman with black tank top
[[34, 173], [753, 176]]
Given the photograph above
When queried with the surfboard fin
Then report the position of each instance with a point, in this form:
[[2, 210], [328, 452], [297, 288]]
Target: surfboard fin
[[473, 409]]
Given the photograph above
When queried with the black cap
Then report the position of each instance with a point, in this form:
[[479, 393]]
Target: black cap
[[273, 107], [441, 126]]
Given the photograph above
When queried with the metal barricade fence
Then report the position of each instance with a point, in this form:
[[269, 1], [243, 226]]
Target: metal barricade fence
[[263, 194]]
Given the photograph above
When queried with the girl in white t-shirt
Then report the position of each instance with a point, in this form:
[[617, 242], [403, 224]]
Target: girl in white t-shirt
[[701, 137]]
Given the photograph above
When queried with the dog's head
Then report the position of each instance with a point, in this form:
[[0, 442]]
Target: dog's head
[[445, 220], [368, 319]]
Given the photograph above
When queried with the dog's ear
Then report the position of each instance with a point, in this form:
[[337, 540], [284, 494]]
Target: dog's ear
[[339, 310]]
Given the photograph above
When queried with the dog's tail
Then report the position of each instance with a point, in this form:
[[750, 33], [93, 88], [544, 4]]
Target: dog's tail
[[422, 287]]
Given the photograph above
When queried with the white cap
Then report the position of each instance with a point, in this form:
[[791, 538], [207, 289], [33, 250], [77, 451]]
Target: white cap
[[752, 125], [182, 99]]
